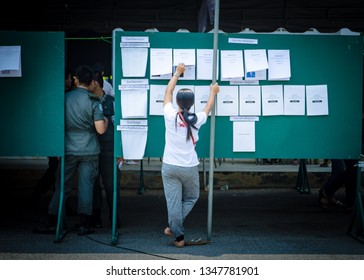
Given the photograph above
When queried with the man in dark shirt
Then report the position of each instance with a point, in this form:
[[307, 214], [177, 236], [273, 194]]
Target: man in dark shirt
[[106, 157]]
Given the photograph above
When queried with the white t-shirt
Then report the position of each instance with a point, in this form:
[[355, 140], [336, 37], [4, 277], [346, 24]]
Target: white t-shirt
[[108, 88], [177, 150]]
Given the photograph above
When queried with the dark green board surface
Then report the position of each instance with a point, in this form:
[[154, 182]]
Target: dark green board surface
[[332, 60], [32, 106]]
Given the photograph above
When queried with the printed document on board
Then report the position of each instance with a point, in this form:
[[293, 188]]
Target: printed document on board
[[205, 63], [10, 61], [272, 100], [188, 57], [255, 60], [134, 61], [160, 63], [294, 100], [232, 65], [134, 103], [156, 99], [202, 94], [227, 101], [133, 140], [243, 136], [279, 65], [250, 101], [317, 100]]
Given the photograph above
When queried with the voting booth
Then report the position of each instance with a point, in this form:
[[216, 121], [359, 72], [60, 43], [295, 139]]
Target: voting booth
[[32, 85], [32, 66]]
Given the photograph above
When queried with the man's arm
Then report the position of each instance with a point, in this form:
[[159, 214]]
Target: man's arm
[[101, 125]]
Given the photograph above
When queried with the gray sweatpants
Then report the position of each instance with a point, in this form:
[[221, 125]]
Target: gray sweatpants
[[181, 189]]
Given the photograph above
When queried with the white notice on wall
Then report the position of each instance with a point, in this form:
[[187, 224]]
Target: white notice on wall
[[294, 100], [243, 136], [202, 94], [156, 100], [272, 100], [160, 63], [134, 61], [134, 103], [255, 60], [279, 65], [250, 101], [10, 61], [317, 100], [205, 63], [232, 65], [133, 140], [227, 101]]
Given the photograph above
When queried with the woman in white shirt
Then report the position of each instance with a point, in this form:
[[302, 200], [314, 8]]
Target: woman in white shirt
[[180, 173]]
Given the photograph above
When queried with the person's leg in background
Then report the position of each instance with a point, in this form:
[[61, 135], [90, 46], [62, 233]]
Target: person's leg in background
[[333, 183], [46, 183], [97, 203], [350, 183], [88, 173], [106, 167]]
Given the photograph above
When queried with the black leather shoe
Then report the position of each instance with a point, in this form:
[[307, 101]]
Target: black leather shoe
[[96, 221]]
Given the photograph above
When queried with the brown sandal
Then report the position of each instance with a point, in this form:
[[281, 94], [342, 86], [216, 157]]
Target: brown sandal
[[179, 244]]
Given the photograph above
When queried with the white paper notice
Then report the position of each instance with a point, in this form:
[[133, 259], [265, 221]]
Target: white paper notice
[[134, 42], [243, 136], [232, 65], [255, 60], [227, 101], [202, 94], [294, 100], [317, 100], [134, 61], [204, 64], [156, 99], [250, 101], [127, 84], [133, 140], [10, 61], [243, 41], [279, 65], [186, 56], [134, 103], [160, 63], [272, 100]]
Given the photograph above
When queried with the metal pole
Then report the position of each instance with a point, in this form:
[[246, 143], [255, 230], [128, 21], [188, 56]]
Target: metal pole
[[60, 232], [114, 231], [212, 130]]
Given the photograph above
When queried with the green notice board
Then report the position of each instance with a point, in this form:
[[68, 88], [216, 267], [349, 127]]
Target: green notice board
[[332, 60], [32, 106]]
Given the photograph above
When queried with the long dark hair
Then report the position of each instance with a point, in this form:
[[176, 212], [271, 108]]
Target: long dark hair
[[185, 99]]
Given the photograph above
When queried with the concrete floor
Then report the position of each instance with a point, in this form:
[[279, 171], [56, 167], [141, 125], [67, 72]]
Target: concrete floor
[[247, 223]]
